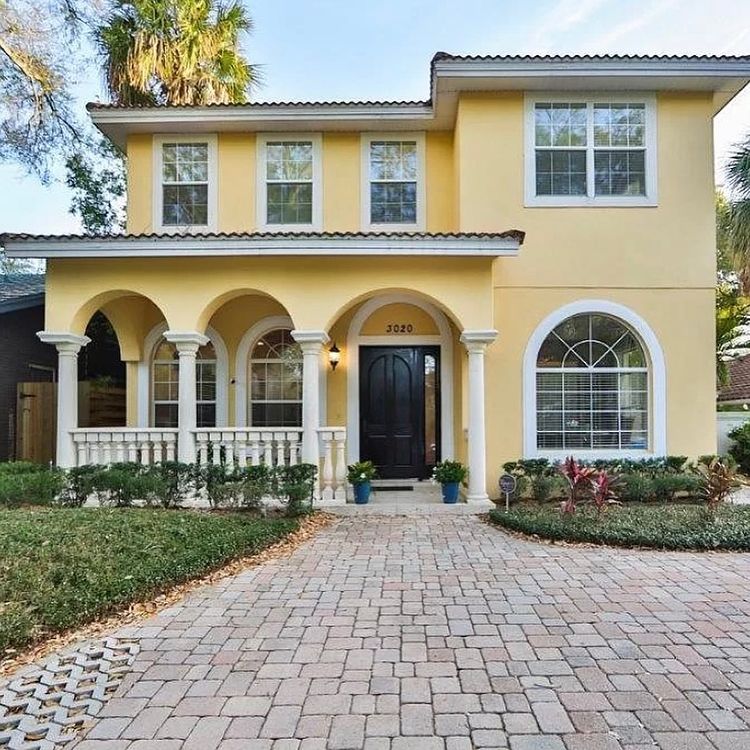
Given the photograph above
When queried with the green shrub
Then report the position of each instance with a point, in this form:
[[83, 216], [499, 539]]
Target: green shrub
[[175, 481], [677, 527], [635, 488], [122, 484], [80, 483], [543, 487], [667, 487], [296, 486], [39, 487], [21, 467], [740, 450]]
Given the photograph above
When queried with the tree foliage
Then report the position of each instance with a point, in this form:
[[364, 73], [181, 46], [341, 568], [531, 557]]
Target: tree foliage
[[38, 39], [738, 235], [175, 52], [732, 320], [96, 177]]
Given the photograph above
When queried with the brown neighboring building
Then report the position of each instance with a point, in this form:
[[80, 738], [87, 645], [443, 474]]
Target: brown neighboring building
[[23, 357], [738, 389]]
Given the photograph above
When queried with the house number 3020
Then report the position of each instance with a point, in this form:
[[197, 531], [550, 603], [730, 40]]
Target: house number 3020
[[399, 328]]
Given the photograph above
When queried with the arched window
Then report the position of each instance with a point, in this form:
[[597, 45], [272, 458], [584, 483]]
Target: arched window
[[276, 381], [165, 385], [592, 387]]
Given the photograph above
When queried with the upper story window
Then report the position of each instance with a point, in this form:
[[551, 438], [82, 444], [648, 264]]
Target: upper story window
[[289, 190], [593, 151], [393, 193], [185, 193]]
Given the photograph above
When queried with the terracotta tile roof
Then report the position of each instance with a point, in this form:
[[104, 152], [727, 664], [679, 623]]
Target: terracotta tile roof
[[739, 380], [440, 56], [447, 57], [511, 234]]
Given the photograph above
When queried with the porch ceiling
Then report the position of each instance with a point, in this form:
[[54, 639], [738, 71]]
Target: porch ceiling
[[463, 244]]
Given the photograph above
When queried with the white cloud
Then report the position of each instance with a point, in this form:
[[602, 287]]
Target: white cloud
[[562, 17]]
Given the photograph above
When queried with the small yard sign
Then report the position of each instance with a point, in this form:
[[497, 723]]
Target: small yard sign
[[507, 487]]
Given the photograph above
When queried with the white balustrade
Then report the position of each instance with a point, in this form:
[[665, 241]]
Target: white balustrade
[[332, 442], [107, 445], [236, 447]]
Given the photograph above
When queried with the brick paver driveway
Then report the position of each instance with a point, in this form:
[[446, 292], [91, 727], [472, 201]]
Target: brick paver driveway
[[437, 631]]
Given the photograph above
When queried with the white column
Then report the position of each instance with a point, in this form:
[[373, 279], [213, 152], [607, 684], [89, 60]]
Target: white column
[[476, 343], [68, 345], [187, 344], [311, 343]]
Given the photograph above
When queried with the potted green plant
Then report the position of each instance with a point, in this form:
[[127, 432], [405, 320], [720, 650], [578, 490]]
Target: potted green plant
[[450, 474], [360, 475]]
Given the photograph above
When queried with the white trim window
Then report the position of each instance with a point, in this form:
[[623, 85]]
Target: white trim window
[[393, 181], [165, 385], [599, 150], [289, 182], [185, 183], [275, 381], [592, 387]]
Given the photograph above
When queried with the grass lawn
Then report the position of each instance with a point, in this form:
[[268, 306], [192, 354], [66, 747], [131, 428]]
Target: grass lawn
[[674, 527], [62, 568]]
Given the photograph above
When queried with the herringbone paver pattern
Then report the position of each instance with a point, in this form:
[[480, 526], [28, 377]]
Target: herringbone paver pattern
[[422, 632]]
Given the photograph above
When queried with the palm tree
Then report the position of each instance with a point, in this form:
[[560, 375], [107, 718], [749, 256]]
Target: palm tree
[[732, 318], [738, 180], [176, 52]]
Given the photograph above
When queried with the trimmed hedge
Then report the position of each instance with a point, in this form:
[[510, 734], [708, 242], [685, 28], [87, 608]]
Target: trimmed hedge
[[672, 527], [62, 568]]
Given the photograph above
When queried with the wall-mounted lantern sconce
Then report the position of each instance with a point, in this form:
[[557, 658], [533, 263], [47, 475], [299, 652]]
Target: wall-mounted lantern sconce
[[334, 356]]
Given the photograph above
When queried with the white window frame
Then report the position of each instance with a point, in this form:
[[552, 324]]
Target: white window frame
[[158, 193], [531, 199], [367, 139], [657, 416], [262, 141]]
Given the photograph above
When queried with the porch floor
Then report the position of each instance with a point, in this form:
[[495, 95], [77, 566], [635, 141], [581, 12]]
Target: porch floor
[[424, 497]]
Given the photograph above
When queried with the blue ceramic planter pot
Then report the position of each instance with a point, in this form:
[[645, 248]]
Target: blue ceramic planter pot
[[450, 492], [362, 493]]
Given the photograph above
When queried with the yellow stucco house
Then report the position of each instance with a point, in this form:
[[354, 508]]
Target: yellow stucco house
[[523, 265]]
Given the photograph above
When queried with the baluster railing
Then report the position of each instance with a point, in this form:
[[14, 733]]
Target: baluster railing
[[333, 465], [107, 445]]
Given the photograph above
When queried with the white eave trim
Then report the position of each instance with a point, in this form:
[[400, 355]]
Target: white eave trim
[[262, 114], [478, 247], [591, 68]]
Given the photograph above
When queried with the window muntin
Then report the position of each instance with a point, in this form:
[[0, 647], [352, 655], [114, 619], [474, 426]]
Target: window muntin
[[276, 381], [185, 184], [289, 182], [591, 150], [166, 380], [393, 175], [592, 387]]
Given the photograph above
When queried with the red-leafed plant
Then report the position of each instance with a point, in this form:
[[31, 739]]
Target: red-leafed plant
[[579, 479], [603, 490]]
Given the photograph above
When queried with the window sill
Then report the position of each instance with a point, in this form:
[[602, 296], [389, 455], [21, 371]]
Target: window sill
[[186, 229], [585, 202], [313, 227], [393, 228], [593, 455]]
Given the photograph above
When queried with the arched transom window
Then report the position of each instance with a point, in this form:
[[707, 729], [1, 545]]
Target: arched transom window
[[592, 387], [165, 385], [276, 381]]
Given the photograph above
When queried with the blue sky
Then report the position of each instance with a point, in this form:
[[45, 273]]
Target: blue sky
[[338, 49]]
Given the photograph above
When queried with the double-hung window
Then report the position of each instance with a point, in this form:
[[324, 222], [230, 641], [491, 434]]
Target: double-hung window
[[289, 190], [394, 182], [592, 151], [185, 190]]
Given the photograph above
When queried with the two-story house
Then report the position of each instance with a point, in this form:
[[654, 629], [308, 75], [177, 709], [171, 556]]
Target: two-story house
[[523, 265]]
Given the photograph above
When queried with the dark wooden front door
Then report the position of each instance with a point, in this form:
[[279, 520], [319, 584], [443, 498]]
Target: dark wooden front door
[[399, 409]]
